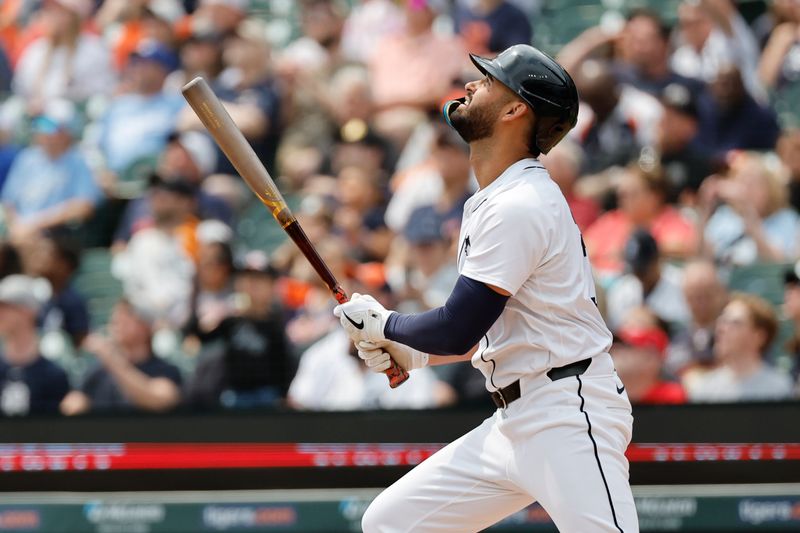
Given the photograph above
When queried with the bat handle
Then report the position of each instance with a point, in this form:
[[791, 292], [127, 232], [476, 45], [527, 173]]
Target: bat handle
[[397, 374]]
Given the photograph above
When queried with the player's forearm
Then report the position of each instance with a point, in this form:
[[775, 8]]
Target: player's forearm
[[436, 360], [454, 328]]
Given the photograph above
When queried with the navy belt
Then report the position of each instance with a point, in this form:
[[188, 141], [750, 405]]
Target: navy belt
[[504, 396]]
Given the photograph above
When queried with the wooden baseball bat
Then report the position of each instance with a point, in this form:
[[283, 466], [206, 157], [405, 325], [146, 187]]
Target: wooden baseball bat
[[232, 142]]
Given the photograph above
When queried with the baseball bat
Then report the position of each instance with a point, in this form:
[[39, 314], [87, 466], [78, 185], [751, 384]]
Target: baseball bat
[[241, 155]]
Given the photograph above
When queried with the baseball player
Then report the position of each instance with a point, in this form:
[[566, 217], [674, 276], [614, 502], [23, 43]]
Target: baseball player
[[523, 310]]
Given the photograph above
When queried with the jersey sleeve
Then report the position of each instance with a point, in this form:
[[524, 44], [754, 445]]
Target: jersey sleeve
[[505, 247]]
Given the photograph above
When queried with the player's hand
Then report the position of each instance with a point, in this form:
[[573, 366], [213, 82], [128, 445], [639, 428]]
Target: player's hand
[[378, 357], [363, 318]]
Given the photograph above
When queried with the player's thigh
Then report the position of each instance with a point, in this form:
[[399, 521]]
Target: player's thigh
[[576, 466], [461, 488]]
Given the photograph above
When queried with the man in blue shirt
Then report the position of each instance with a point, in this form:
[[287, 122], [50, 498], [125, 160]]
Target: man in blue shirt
[[49, 184]]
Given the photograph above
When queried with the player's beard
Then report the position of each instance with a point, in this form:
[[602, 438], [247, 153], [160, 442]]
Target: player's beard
[[474, 123]]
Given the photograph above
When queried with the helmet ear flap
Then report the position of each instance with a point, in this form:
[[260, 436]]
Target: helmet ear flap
[[548, 132]]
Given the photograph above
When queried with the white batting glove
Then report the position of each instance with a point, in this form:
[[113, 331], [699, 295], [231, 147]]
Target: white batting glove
[[363, 318], [378, 358]]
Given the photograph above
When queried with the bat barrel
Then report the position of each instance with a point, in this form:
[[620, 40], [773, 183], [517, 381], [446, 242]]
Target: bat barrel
[[230, 139]]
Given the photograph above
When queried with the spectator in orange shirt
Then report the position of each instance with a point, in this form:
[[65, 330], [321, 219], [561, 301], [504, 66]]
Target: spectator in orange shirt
[[639, 359], [641, 196]]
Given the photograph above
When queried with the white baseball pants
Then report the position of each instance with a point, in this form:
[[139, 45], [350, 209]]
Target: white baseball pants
[[561, 443]]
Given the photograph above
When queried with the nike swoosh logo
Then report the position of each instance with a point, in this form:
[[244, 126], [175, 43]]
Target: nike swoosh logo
[[357, 325], [619, 390]]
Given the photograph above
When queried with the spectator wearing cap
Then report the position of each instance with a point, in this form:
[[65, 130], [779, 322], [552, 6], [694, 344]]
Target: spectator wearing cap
[[128, 376], [639, 359], [642, 195], [744, 216], [219, 17], [735, 120], [138, 122], [56, 258], [359, 217], [491, 26], [705, 296], [413, 70], [791, 310], [432, 271], [744, 332], [128, 23], [684, 156], [254, 366], [190, 157], [249, 91], [649, 282], [49, 183], [64, 62], [200, 55], [29, 383], [157, 266]]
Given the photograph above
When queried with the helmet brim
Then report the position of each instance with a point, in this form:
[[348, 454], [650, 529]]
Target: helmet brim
[[487, 67]]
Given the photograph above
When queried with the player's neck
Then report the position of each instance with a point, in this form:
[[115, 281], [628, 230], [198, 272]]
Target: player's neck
[[490, 158]]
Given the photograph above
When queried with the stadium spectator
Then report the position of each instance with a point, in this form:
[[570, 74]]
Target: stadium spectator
[[706, 296], [713, 35], [189, 156], [744, 214], [8, 152], [49, 183], [65, 62], [157, 266], [367, 23], [128, 23], [639, 359], [564, 164], [220, 17], [29, 383], [735, 120], [254, 365], [649, 282], [616, 122], [137, 122], [791, 310], [250, 93], [641, 195], [443, 179], [432, 271], [744, 332], [128, 376], [641, 49], [56, 258], [490, 26], [200, 55], [359, 216], [413, 70], [684, 155]]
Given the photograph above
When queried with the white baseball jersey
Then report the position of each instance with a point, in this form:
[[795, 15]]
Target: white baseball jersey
[[518, 234]]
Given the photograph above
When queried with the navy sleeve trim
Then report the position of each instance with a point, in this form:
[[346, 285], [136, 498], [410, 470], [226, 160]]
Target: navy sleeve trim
[[454, 328]]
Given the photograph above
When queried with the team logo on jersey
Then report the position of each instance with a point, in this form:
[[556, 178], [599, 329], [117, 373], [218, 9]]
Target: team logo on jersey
[[464, 248]]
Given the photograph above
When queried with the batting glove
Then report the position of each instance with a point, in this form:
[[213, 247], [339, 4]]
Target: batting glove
[[363, 318], [378, 358]]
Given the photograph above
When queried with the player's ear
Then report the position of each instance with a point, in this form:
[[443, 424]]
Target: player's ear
[[515, 110]]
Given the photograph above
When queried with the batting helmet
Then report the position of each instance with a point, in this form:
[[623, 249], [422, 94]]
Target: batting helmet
[[542, 83]]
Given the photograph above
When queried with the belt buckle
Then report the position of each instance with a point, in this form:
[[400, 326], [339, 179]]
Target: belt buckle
[[502, 397]]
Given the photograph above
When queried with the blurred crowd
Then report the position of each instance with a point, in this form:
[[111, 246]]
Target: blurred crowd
[[138, 272]]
